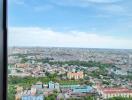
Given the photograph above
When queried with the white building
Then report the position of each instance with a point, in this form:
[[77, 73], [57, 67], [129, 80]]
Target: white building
[[57, 86], [51, 85]]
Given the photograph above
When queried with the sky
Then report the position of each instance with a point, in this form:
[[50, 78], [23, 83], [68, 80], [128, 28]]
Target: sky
[[70, 23]]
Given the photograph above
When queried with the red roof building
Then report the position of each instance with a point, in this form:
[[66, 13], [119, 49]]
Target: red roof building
[[115, 92]]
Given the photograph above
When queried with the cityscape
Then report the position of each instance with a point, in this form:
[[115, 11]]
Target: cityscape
[[69, 49], [54, 73]]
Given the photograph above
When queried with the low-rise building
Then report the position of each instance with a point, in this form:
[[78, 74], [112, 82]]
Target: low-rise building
[[115, 92], [40, 97], [75, 75], [51, 85], [57, 86], [83, 89], [39, 85]]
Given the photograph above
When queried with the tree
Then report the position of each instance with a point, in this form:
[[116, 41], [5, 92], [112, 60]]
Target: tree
[[11, 92], [89, 98], [24, 60]]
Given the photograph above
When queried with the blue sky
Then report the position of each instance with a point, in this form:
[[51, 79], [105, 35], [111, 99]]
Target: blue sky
[[70, 23]]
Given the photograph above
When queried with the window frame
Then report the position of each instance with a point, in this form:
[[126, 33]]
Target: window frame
[[3, 50]]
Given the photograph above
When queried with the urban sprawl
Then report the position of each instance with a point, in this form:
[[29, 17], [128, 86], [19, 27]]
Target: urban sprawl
[[37, 73]]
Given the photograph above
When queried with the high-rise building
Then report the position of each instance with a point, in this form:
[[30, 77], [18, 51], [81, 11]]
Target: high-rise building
[[129, 60]]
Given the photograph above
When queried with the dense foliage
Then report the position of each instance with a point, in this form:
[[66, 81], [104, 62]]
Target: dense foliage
[[11, 92], [26, 82], [81, 63]]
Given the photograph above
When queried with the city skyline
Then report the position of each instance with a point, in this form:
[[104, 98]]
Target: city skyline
[[70, 23]]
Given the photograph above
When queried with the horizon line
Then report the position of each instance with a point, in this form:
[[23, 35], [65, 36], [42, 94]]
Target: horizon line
[[68, 47]]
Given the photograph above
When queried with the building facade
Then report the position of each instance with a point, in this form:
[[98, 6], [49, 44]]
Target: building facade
[[84, 89], [75, 75], [33, 97], [51, 85], [115, 92]]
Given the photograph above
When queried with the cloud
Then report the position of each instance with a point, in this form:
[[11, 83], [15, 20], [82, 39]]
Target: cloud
[[35, 36], [43, 8], [102, 1], [84, 2], [114, 8], [110, 7], [18, 2], [106, 7]]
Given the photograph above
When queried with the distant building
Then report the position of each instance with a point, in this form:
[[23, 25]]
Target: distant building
[[17, 97], [41, 97], [39, 85], [61, 96], [19, 89], [130, 61], [77, 88], [73, 70], [118, 71], [76, 91], [75, 75], [33, 90], [51, 85], [13, 71], [47, 92], [83, 89], [69, 86], [19, 65], [57, 86], [115, 92]]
